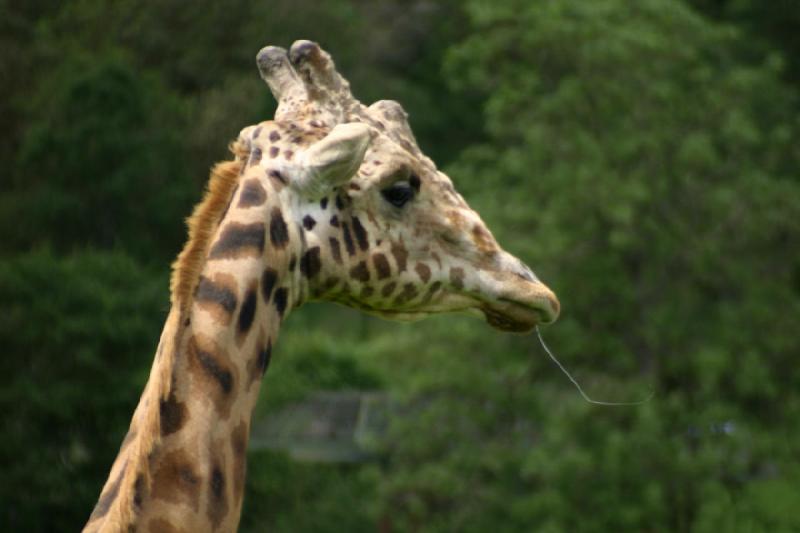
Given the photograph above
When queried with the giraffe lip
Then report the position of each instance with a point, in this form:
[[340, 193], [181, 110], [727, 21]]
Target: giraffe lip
[[512, 316]]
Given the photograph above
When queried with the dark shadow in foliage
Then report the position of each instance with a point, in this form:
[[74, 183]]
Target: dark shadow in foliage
[[100, 163], [78, 335]]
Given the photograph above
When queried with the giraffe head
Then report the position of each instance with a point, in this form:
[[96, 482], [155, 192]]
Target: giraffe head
[[380, 228]]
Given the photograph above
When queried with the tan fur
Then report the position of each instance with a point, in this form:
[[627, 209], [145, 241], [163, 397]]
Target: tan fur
[[186, 270]]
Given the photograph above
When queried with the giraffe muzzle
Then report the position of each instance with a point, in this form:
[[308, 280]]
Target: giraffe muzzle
[[514, 299], [523, 315]]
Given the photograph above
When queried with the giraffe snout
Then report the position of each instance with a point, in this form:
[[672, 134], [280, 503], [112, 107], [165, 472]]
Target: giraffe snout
[[518, 300]]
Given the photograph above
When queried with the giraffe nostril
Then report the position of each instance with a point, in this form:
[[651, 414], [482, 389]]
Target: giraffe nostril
[[522, 271], [527, 275]]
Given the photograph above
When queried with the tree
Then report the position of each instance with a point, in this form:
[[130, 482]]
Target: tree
[[100, 163], [659, 178], [78, 335]]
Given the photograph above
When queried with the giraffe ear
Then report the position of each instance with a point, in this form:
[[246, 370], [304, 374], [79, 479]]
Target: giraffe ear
[[332, 160]]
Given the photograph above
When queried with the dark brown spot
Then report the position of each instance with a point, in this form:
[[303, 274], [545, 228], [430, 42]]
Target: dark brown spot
[[360, 233], [248, 311], [388, 289], [323, 204], [335, 221], [239, 240], [278, 232], [218, 297], [366, 292], [336, 252], [253, 194], [457, 277], [292, 263], [217, 502], [213, 372], [339, 202], [360, 271], [423, 271], [382, 267], [161, 525], [274, 151], [309, 222], [239, 448], [173, 414], [328, 286], [268, 281], [435, 286], [176, 480], [256, 366], [274, 136], [256, 132], [310, 264], [264, 357], [288, 154], [281, 299], [139, 491], [348, 240], [354, 187], [255, 156], [407, 294], [400, 255]]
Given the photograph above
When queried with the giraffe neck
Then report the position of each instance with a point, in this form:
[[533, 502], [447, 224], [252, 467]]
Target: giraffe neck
[[190, 475]]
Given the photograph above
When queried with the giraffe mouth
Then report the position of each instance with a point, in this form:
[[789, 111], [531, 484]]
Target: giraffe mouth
[[504, 322], [519, 317]]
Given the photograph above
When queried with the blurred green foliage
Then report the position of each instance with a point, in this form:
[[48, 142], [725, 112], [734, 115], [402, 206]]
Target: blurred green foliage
[[641, 157], [75, 330]]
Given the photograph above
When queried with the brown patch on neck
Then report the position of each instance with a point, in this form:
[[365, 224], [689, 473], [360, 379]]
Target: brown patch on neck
[[217, 495], [239, 448], [400, 255], [178, 480], [214, 371], [173, 415], [218, 296], [162, 526]]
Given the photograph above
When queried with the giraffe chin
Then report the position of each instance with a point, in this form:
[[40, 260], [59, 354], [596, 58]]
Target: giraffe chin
[[514, 316], [509, 324]]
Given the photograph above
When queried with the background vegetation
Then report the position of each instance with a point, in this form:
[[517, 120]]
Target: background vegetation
[[641, 156]]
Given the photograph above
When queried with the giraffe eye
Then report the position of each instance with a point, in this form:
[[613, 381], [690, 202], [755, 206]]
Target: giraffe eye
[[399, 193]]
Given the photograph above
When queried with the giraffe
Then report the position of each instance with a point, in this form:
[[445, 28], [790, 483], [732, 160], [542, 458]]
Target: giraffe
[[332, 200]]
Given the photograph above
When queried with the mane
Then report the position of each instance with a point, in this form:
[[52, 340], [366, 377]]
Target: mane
[[130, 475], [203, 223]]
